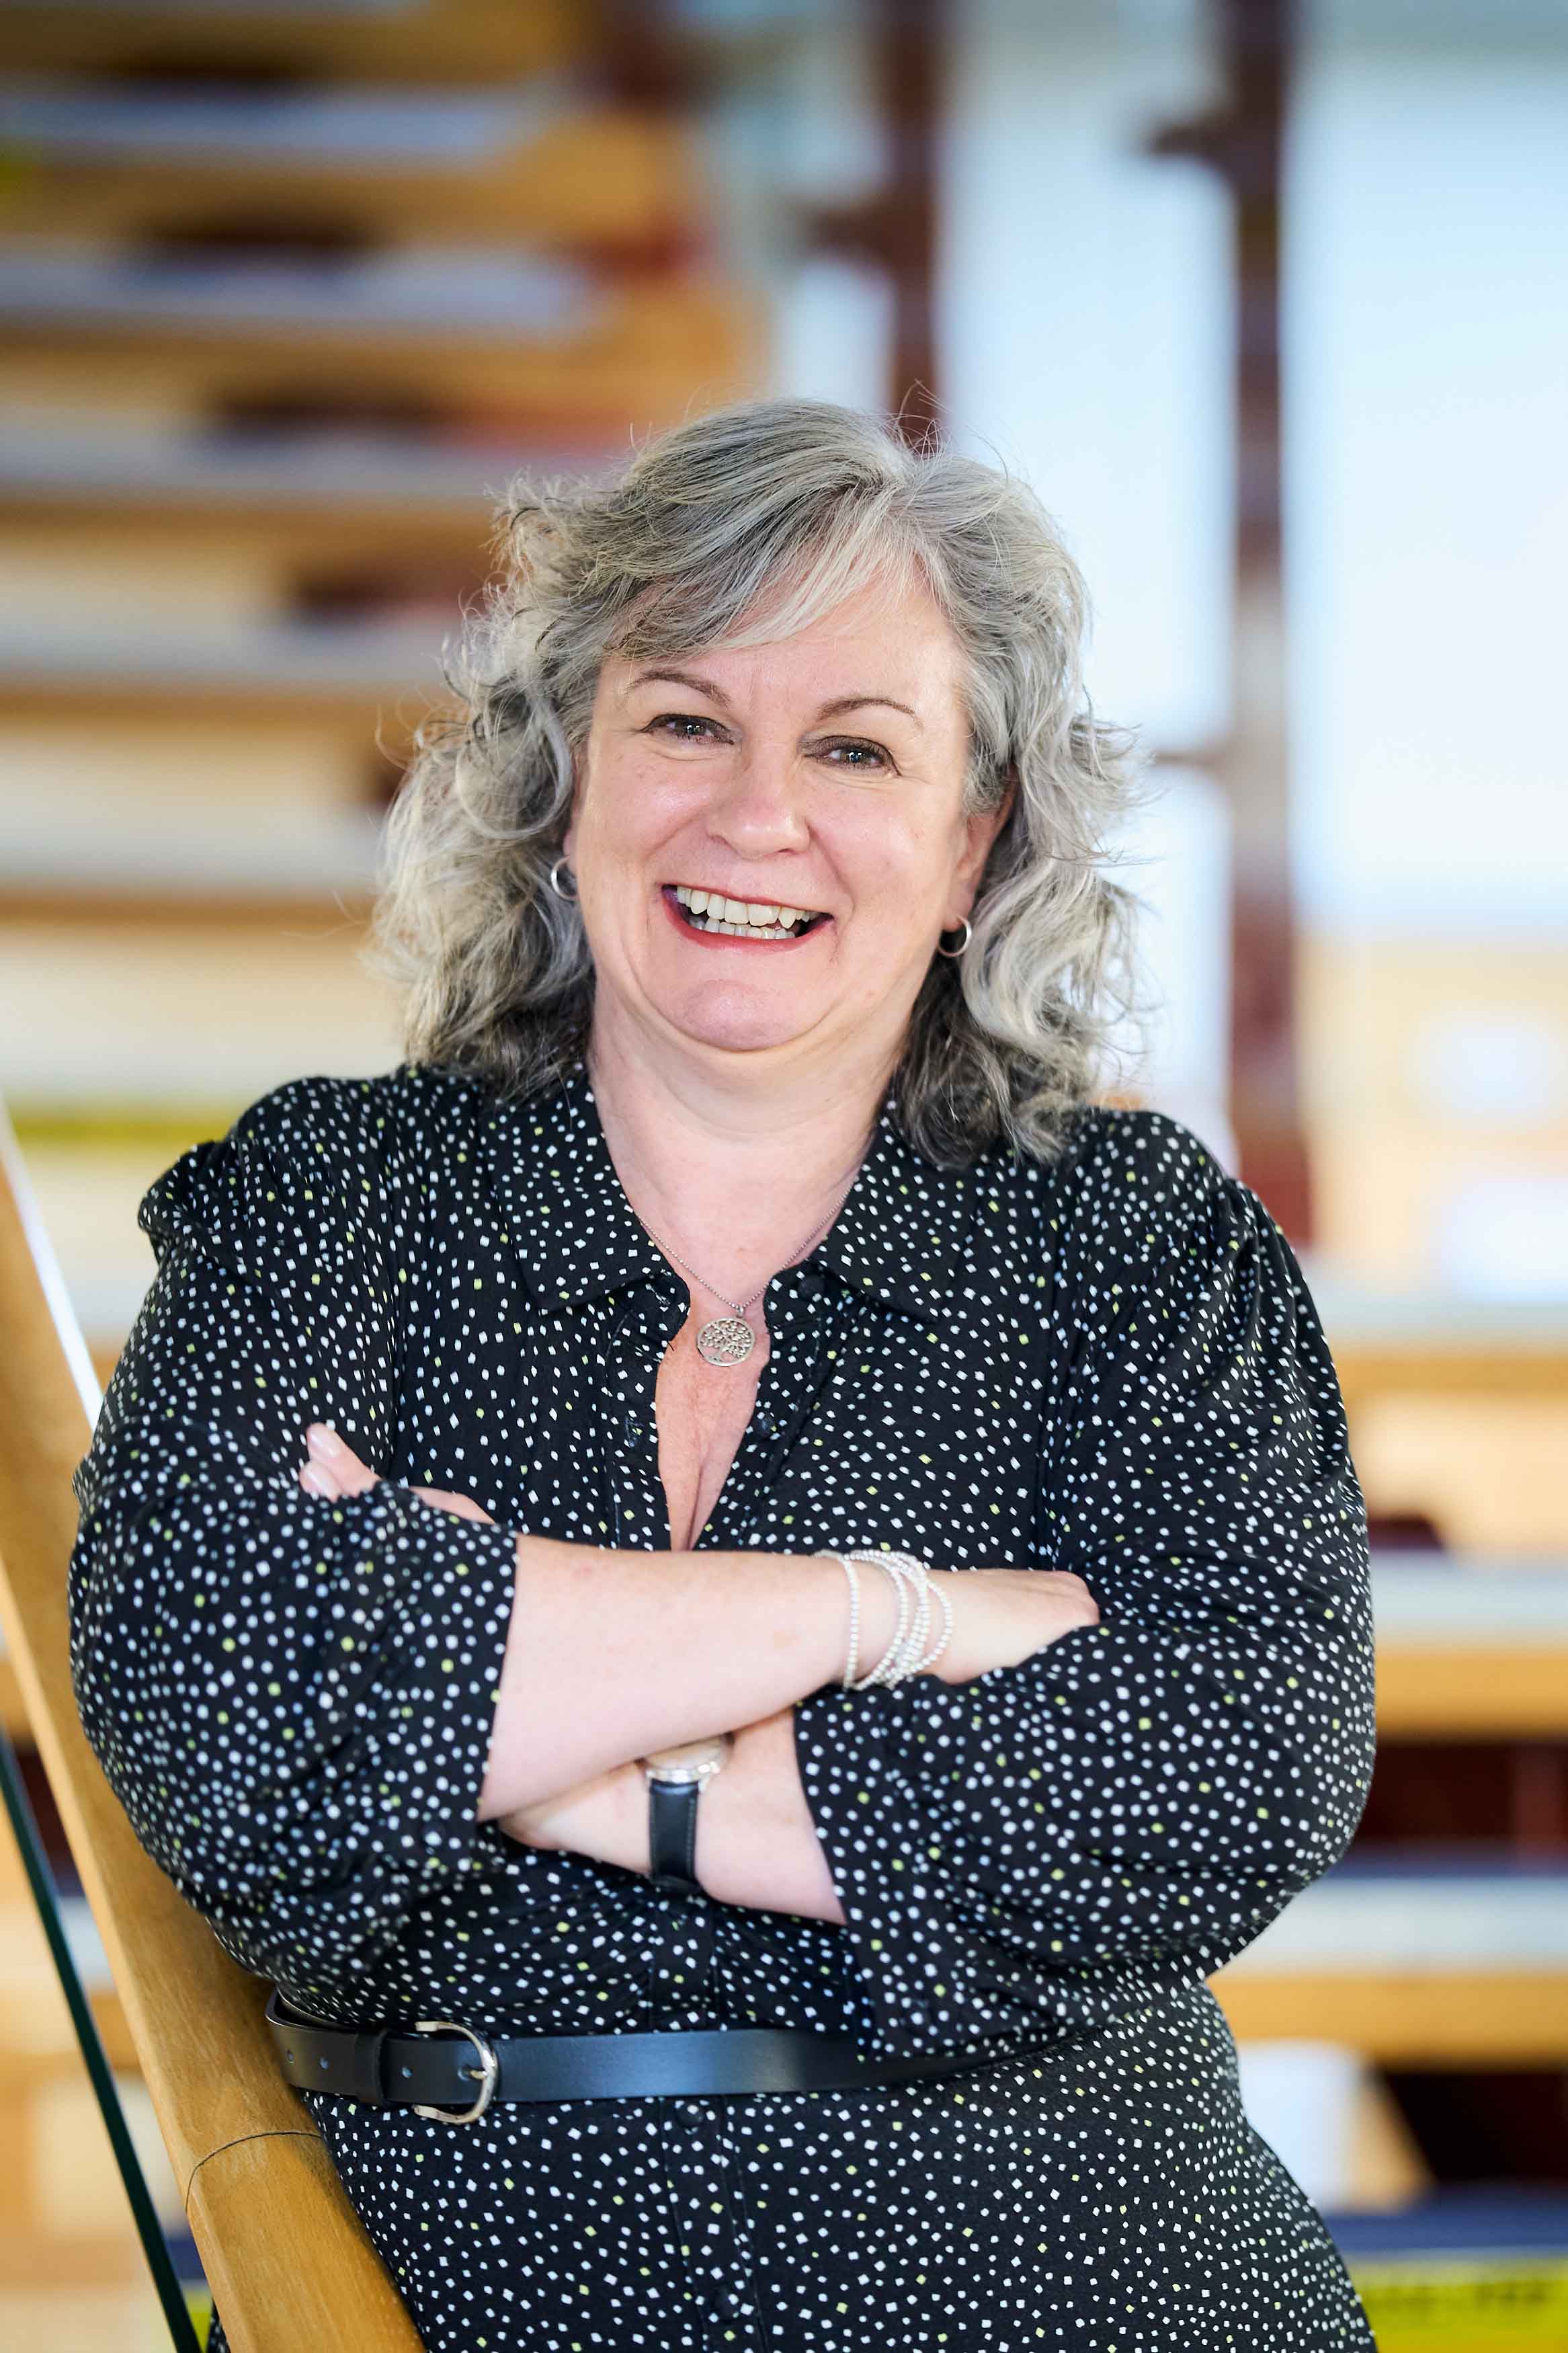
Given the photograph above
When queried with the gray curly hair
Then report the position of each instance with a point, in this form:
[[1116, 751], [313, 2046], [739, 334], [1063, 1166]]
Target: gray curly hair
[[737, 528]]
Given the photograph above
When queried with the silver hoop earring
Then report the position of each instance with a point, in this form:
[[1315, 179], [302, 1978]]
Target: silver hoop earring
[[568, 896], [964, 942]]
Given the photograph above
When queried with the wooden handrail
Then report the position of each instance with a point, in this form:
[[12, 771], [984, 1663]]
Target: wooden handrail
[[290, 2268]]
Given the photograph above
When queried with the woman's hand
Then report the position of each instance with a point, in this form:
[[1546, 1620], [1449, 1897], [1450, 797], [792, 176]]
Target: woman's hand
[[334, 1470], [1003, 1615], [605, 1818]]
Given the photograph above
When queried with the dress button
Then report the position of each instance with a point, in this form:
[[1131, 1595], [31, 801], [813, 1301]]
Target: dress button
[[633, 1429]]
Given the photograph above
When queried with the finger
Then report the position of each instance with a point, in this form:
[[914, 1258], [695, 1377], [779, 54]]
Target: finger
[[465, 1508], [318, 1482], [338, 1460], [462, 1507]]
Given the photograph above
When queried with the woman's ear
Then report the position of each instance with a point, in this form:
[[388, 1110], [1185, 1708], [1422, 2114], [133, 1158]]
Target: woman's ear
[[984, 825], [569, 839]]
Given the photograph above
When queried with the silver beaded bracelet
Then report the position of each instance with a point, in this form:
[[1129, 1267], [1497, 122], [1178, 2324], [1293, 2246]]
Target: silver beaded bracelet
[[905, 1654]]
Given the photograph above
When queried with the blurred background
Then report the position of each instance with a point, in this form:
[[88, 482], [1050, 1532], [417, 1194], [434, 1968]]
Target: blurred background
[[1265, 298]]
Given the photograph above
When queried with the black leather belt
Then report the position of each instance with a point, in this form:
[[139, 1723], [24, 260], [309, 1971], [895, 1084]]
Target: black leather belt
[[455, 2080]]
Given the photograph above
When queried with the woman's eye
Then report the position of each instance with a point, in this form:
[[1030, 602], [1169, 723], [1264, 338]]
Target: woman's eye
[[875, 751], [681, 719]]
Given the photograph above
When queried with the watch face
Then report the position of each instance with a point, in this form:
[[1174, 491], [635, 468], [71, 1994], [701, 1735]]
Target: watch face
[[690, 1760]]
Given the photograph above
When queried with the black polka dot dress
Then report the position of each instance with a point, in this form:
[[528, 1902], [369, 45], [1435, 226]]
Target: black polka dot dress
[[1108, 1364]]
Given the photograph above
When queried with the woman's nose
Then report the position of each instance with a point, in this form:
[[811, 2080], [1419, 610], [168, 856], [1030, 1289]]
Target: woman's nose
[[760, 805]]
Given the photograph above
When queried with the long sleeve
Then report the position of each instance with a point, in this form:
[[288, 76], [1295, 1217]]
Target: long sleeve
[[1135, 1802], [291, 1698]]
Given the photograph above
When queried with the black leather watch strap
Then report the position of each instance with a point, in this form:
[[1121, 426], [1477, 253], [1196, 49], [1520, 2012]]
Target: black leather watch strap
[[672, 1834]]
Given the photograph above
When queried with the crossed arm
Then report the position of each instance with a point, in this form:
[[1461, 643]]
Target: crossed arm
[[558, 1775]]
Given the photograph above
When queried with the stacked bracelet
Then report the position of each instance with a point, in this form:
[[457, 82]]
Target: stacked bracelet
[[905, 1654]]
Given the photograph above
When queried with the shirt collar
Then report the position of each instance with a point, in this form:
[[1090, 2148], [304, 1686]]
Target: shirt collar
[[897, 1236]]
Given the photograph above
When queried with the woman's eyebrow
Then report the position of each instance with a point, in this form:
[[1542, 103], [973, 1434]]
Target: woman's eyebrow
[[858, 702], [678, 677], [840, 702]]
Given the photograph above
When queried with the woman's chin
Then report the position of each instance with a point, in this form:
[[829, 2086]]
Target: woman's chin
[[752, 1036], [715, 1017]]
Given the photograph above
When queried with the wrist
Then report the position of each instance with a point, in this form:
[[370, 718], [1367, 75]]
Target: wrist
[[877, 1614], [676, 1779], [899, 1617]]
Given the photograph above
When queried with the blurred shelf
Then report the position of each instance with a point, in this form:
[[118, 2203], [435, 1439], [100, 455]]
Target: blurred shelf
[[657, 343], [1470, 1650], [1428, 1959], [339, 660], [1496, 1357], [201, 910], [1448, 1322], [1482, 1691], [1423, 1910], [540, 164], [360, 714], [1468, 2019], [273, 127], [478, 293], [1445, 1342], [398, 488], [437, 42]]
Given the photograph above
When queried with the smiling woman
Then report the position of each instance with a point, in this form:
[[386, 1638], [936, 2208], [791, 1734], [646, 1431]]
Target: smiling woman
[[726, 1529]]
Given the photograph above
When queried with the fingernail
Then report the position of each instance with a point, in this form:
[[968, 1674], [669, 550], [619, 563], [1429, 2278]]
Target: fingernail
[[312, 1477], [323, 1440]]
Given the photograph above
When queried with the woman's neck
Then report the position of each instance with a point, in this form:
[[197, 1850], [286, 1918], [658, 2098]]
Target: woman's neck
[[731, 1171]]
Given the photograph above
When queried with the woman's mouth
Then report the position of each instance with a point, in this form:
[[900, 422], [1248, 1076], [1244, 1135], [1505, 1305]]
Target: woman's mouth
[[712, 914]]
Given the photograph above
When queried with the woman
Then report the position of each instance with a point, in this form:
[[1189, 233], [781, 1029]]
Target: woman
[[496, 1424]]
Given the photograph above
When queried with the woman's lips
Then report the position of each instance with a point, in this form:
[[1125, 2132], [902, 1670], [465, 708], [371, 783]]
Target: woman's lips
[[729, 939]]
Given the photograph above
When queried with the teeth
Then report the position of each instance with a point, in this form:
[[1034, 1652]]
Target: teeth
[[740, 918]]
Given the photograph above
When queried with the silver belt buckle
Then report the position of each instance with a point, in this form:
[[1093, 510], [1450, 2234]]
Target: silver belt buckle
[[487, 2074]]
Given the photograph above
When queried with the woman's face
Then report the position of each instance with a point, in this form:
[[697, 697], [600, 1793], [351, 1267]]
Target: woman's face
[[822, 774]]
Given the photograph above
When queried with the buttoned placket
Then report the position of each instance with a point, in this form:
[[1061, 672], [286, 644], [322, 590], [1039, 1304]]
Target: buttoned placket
[[645, 1320], [803, 1309], [802, 1313]]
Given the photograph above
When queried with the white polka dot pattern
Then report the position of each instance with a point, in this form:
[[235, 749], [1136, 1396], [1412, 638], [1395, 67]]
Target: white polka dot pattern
[[1109, 1364]]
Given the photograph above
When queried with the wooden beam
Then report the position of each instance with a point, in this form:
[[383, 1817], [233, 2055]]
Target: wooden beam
[[427, 43], [1482, 2019], [656, 345], [204, 911], [1243, 143], [896, 228], [1472, 1692], [612, 183], [1450, 1365], [366, 712]]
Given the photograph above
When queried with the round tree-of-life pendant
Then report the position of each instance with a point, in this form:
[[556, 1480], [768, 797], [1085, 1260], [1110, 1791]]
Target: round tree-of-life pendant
[[728, 1340]]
